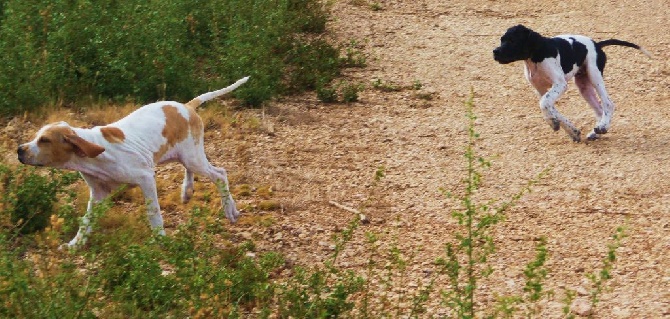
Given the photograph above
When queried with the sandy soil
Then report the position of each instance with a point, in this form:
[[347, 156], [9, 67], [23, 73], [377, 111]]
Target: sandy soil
[[312, 153], [319, 153]]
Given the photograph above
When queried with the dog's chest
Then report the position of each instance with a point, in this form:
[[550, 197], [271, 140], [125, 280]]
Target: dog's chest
[[535, 76]]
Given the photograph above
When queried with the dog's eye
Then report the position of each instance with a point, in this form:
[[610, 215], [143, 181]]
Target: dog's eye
[[44, 140]]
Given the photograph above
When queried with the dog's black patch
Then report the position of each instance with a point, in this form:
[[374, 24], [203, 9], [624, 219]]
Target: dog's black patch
[[601, 59], [571, 53]]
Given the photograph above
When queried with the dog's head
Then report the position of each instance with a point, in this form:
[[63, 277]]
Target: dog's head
[[516, 44], [54, 145]]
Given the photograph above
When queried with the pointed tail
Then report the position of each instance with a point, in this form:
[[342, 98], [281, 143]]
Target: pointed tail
[[214, 94], [622, 43]]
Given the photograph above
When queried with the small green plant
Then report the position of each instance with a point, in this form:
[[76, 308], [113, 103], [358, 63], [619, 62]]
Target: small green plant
[[567, 301], [533, 290], [353, 56], [599, 278], [30, 198], [326, 94], [376, 6], [536, 273], [465, 262], [350, 92], [322, 293], [380, 85]]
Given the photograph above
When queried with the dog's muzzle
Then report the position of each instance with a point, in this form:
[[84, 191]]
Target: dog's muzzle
[[500, 59], [21, 152], [23, 155]]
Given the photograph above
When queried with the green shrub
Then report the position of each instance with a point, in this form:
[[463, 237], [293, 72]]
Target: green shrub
[[326, 94], [350, 92], [69, 52], [29, 197]]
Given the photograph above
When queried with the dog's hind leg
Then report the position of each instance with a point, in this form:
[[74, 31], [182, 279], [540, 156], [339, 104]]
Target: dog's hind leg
[[588, 92], [187, 186], [607, 106], [200, 165]]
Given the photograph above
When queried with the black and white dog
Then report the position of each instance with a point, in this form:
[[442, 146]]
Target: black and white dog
[[551, 62]]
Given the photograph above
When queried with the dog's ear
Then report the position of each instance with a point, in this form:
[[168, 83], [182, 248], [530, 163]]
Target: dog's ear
[[533, 38], [82, 147]]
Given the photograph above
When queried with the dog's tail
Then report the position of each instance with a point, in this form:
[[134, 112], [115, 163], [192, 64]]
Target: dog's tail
[[622, 43], [214, 94]]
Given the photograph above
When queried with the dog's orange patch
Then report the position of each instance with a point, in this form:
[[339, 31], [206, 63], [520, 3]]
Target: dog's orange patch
[[195, 123], [175, 130], [113, 134]]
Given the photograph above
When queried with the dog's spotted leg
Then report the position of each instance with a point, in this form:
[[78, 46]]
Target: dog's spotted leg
[[555, 119]]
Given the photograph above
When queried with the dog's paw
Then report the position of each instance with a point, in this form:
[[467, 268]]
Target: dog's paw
[[592, 136], [186, 195], [555, 124], [231, 211], [576, 136], [600, 130]]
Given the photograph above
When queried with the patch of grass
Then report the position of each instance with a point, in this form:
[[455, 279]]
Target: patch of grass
[[269, 204], [380, 85], [348, 92], [353, 55], [79, 53], [376, 6]]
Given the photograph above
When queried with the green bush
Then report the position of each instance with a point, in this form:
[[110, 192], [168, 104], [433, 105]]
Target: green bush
[[350, 92], [60, 51], [29, 197]]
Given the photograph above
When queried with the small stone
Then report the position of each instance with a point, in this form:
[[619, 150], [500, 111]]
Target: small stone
[[620, 313], [278, 236], [364, 219], [581, 291], [581, 307]]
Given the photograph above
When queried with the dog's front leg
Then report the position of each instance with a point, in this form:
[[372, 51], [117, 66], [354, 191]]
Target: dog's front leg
[[98, 192], [547, 104], [148, 185]]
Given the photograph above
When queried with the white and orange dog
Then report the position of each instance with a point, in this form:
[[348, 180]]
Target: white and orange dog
[[126, 152]]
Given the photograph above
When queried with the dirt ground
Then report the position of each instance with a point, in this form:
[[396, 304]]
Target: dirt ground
[[313, 154], [316, 153]]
